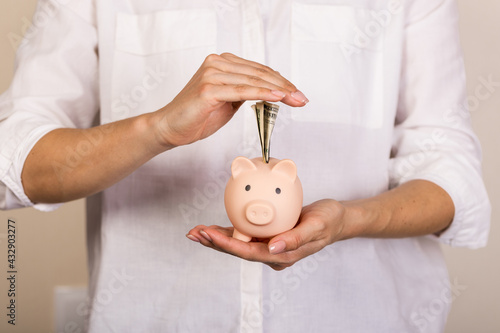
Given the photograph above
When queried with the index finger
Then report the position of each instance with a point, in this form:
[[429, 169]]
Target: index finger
[[252, 68]]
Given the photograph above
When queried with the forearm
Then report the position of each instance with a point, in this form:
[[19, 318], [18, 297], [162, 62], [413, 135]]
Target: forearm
[[67, 164], [415, 208]]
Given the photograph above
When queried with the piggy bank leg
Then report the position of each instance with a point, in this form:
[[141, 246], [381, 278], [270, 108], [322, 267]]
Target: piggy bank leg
[[240, 236]]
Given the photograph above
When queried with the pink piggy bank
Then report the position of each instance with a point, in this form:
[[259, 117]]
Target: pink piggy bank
[[262, 199]]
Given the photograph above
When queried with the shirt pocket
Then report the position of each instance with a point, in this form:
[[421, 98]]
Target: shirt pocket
[[155, 55], [336, 65]]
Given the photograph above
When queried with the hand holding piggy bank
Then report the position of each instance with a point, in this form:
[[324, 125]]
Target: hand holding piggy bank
[[262, 199]]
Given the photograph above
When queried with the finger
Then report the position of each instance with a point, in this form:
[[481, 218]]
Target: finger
[[196, 234], [253, 251], [220, 239], [305, 232], [232, 64], [193, 238], [263, 72], [223, 242], [235, 58], [292, 99], [256, 251], [237, 93], [203, 237], [293, 96], [227, 231], [260, 68], [198, 227], [243, 79], [263, 68], [251, 68]]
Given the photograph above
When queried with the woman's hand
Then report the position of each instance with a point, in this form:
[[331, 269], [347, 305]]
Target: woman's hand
[[214, 94], [416, 208], [320, 224], [207, 102]]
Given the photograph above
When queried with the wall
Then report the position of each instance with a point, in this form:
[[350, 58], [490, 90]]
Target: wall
[[476, 308], [51, 246]]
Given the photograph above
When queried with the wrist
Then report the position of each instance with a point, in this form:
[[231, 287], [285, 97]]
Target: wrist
[[362, 218], [156, 136]]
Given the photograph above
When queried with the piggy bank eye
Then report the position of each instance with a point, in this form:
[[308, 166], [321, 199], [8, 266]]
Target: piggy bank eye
[[247, 188], [278, 190]]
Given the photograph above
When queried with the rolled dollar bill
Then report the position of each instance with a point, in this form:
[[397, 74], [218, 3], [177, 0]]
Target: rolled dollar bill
[[266, 114], [259, 114]]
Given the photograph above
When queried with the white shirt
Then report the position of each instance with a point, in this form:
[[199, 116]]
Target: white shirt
[[387, 90]]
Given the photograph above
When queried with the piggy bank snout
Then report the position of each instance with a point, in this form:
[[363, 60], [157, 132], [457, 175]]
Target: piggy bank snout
[[259, 212]]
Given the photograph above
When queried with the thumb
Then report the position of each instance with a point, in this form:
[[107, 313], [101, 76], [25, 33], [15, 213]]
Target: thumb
[[291, 240]]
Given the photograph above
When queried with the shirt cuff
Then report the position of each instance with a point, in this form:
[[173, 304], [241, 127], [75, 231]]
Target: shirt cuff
[[470, 225], [14, 154]]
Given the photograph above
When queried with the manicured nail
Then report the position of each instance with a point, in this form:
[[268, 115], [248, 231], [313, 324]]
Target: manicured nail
[[204, 234], [277, 247], [278, 93], [191, 237], [299, 96]]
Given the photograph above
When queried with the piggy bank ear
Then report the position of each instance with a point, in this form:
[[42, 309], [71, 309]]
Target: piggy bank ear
[[286, 168], [240, 165]]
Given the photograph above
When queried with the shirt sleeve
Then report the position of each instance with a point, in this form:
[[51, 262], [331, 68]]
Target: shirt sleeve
[[433, 138], [54, 86]]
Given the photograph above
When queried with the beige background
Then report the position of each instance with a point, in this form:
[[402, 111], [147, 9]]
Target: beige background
[[51, 246]]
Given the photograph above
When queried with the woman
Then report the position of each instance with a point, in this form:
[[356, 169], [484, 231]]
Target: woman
[[388, 164]]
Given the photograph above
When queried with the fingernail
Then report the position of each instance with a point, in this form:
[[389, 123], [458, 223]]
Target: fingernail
[[299, 96], [204, 234], [277, 247], [191, 237], [278, 93]]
